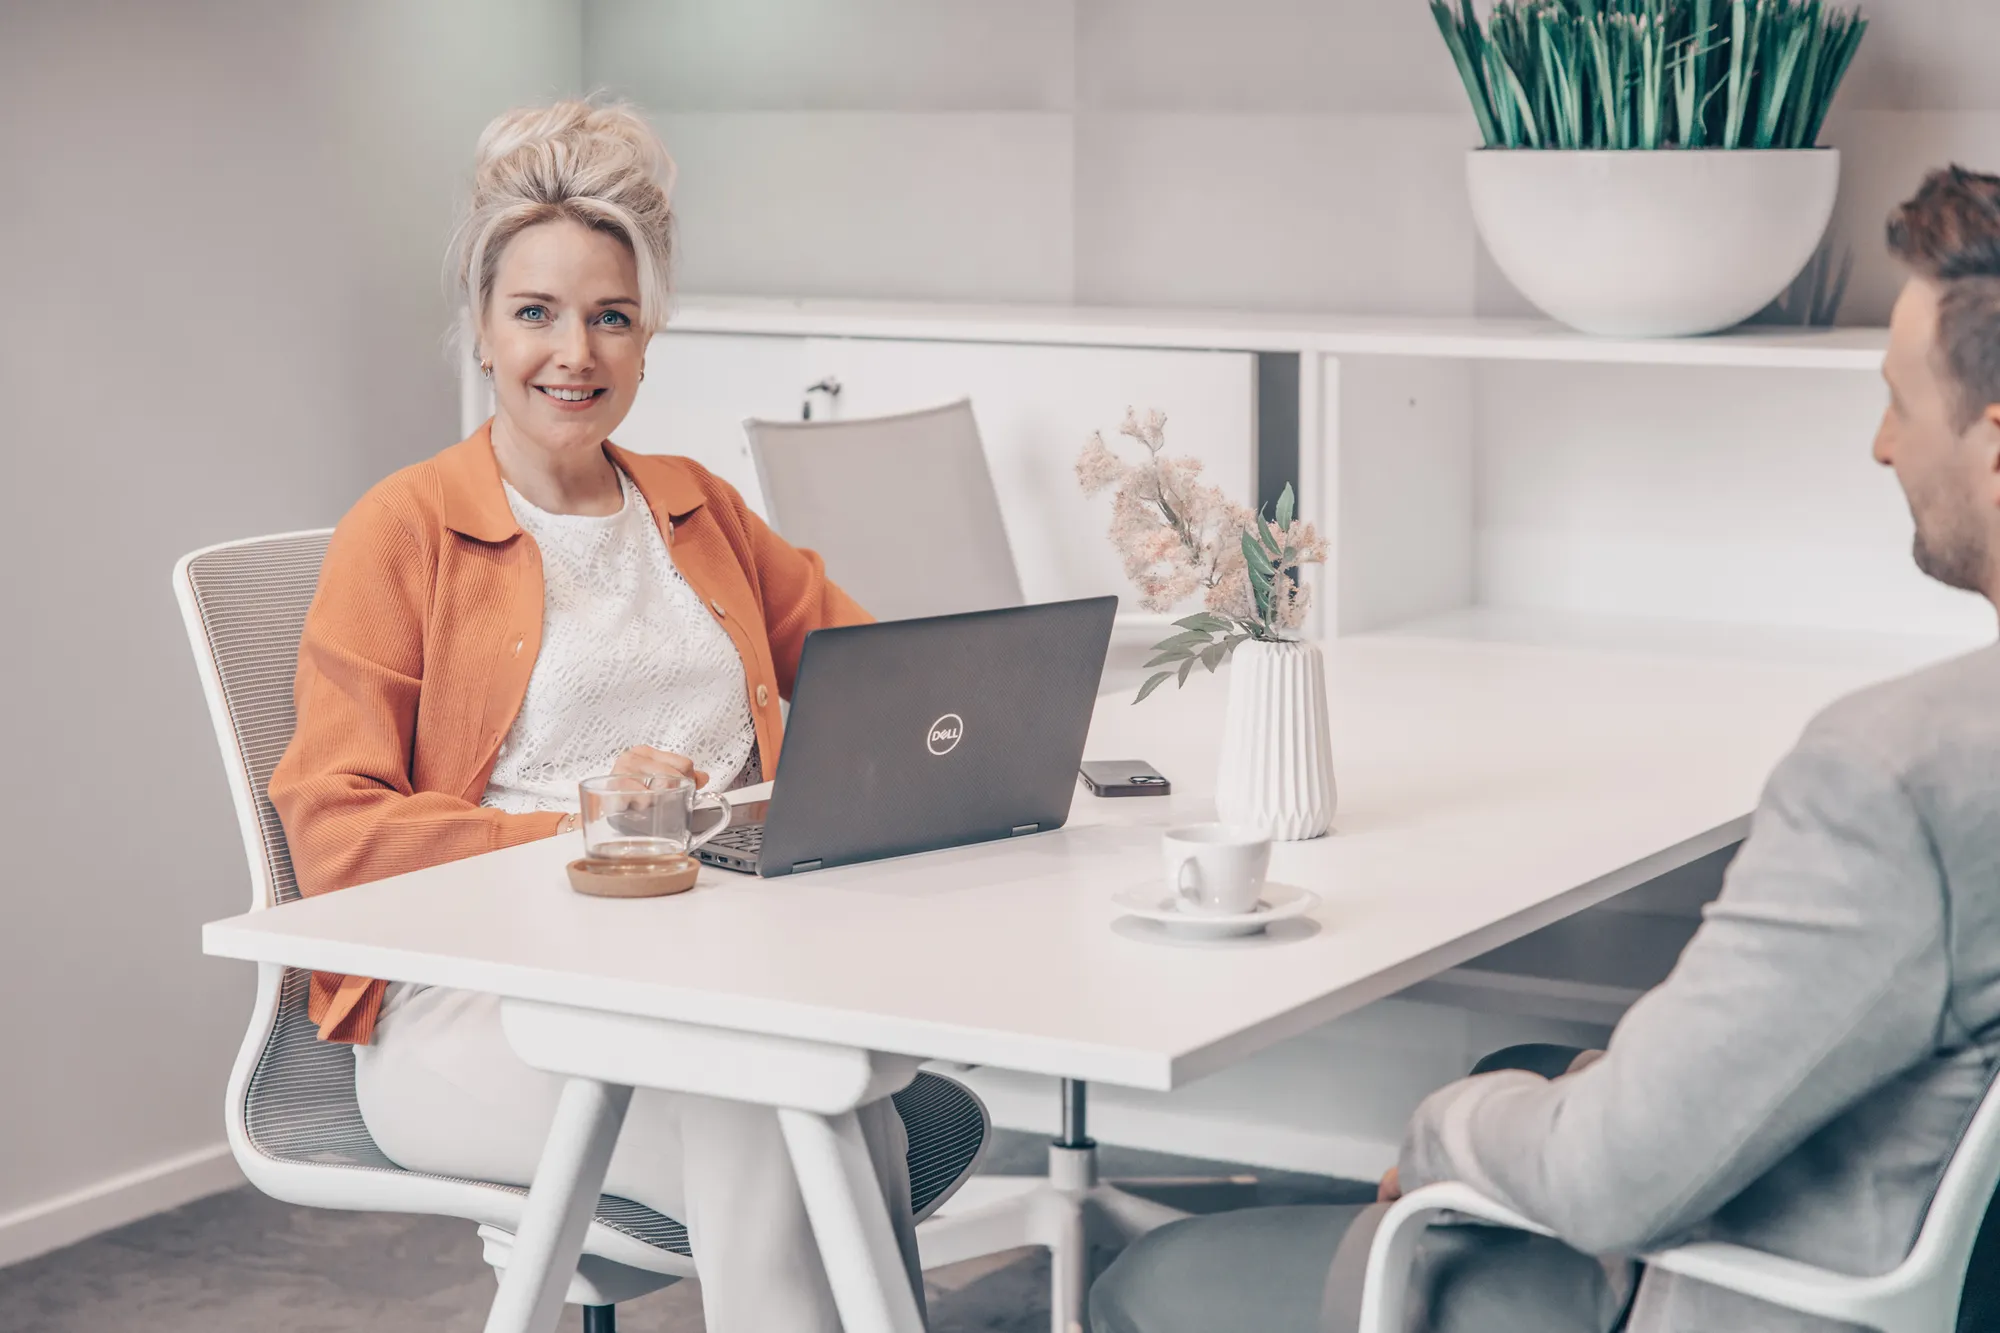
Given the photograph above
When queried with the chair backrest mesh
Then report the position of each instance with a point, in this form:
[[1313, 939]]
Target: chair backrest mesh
[[253, 598]]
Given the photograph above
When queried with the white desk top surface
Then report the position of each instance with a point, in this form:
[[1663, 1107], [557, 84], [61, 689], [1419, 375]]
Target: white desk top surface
[[1486, 789]]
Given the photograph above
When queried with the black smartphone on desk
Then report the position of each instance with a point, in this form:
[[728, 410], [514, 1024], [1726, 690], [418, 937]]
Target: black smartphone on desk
[[1124, 777]]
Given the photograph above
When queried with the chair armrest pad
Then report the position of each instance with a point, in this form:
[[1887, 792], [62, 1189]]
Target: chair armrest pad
[[1418, 1206], [1766, 1277]]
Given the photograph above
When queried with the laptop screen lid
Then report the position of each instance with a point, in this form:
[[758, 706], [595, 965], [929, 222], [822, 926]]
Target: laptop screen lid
[[912, 735]]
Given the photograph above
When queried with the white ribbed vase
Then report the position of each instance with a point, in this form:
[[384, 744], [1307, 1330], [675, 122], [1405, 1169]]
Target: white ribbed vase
[[1277, 755]]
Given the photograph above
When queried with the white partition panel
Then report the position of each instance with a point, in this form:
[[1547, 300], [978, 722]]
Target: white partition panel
[[1398, 474], [1700, 494], [1036, 405]]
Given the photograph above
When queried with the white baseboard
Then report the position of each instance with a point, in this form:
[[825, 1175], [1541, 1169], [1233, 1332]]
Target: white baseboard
[[67, 1218]]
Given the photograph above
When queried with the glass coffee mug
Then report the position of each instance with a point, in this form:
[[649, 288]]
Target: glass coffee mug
[[646, 820]]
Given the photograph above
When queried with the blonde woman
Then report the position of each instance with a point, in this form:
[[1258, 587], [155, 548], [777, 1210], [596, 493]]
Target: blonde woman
[[531, 607]]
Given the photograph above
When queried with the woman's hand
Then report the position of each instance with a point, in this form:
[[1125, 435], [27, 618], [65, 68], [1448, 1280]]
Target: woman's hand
[[643, 761]]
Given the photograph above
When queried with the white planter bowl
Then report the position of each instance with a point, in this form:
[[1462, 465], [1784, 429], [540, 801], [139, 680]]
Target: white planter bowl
[[1652, 244]]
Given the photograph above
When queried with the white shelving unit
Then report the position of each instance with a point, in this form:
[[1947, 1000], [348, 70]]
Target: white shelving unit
[[1105, 326], [1477, 479]]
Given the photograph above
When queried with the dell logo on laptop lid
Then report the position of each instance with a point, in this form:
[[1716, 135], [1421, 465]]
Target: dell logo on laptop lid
[[945, 733]]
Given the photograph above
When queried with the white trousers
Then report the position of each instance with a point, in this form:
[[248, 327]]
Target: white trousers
[[443, 1093]]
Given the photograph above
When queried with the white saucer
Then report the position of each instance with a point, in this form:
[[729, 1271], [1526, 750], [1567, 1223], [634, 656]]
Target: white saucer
[[1280, 902]]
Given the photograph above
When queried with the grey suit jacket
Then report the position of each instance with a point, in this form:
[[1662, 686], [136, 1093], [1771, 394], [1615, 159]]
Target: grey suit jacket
[[1800, 1080]]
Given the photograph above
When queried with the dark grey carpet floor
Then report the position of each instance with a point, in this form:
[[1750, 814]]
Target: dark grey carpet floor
[[242, 1263]]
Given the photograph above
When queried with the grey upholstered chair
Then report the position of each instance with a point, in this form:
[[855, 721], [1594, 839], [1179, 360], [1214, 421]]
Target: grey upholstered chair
[[291, 1114], [902, 508]]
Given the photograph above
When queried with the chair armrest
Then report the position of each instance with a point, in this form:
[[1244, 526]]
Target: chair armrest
[[1386, 1285], [1780, 1281], [1765, 1277]]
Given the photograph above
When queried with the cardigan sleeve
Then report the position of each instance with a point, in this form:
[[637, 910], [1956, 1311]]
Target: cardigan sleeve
[[343, 790], [798, 597]]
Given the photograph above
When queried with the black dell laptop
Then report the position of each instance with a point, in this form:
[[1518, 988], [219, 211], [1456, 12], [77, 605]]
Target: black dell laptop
[[912, 735]]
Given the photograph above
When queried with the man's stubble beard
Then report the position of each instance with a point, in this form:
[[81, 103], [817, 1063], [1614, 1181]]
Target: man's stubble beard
[[1958, 556]]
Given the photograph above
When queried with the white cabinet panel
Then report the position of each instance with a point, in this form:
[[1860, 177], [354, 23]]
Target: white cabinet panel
[[1036, 405], [1698, 493], [699, 389]]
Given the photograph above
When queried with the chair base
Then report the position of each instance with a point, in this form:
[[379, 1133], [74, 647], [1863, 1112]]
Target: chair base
[[1068, 1213], [600, 1319]]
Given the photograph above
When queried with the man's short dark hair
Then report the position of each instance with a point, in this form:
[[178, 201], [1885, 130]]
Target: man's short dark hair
[[1949, 233]]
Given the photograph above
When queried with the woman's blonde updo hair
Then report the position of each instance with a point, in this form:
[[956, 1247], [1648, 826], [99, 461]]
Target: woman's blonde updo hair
[[602, 166]]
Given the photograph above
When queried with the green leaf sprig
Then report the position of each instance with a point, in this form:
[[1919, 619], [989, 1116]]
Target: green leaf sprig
[[1207, 638], [1645, 74]]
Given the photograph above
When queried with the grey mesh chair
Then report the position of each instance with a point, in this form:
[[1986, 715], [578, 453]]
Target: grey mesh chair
[[946, 549], [291, 1114]]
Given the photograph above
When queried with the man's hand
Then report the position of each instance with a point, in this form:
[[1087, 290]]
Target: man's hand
[[1390, 1189]]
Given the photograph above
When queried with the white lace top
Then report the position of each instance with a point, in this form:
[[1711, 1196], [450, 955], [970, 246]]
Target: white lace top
[[629, 657]]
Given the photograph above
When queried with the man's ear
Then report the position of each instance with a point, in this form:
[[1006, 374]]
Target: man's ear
[[1985, 437]]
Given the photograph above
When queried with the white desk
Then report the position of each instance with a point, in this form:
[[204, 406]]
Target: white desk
[[1486, 790]]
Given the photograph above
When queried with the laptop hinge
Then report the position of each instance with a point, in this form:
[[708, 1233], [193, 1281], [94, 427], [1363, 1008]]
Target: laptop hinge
[[800, 867], [1021, 829]]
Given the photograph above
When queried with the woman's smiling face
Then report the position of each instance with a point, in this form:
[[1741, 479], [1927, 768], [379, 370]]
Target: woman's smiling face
[[561, 331]]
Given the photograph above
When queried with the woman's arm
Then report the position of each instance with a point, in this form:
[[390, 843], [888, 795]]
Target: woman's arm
[[343, 788]]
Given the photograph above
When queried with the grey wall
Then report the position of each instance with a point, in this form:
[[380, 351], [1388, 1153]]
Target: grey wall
[[1275, 154], [220, 247]]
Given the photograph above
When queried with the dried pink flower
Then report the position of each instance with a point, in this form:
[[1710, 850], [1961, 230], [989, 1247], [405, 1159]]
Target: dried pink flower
[[1097, 467], [1180, 537]]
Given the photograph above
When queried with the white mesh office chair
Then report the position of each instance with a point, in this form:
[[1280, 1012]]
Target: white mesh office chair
[[902, 508], [827, 486], [1920, 1295], [291, 1114]]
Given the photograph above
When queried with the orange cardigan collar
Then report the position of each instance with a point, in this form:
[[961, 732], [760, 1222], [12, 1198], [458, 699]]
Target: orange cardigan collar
[[475, 502]]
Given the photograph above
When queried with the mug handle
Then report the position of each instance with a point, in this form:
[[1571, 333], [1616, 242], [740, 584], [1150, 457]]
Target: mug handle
[[1187, 893], [722, 807]]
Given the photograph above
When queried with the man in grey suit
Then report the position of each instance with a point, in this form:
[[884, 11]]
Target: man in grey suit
[[1800, 1081]]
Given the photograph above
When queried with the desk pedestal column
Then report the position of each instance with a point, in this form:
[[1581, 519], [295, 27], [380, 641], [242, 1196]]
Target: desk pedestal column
[[1069, 1213]]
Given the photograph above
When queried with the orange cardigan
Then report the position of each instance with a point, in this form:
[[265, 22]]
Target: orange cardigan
[[417, 651]]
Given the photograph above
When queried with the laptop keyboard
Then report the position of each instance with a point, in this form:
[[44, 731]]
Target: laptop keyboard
[[742, 838], [734, 848]]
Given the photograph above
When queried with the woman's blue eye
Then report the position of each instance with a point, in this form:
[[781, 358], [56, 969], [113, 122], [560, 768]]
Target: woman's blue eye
[[531, 312], [624, 320]]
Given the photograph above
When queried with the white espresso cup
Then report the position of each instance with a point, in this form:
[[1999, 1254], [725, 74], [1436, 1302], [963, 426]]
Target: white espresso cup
[[1214, 869]]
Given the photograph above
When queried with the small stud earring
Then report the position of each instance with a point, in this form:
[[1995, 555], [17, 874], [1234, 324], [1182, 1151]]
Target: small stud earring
[[486, 369]]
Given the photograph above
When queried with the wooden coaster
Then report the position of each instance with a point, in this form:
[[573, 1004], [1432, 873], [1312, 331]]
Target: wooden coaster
[[618, 879]]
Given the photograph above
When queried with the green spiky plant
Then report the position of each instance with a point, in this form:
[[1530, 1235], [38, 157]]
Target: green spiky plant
[[1651, 73]]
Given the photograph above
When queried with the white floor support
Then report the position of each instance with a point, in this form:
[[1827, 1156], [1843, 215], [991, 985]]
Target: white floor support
[[1068, 1214], [561, 1201], [843, 1199]]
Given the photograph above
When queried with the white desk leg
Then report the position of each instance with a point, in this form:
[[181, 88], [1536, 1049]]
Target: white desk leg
[[851, 1223], [560, 1204]]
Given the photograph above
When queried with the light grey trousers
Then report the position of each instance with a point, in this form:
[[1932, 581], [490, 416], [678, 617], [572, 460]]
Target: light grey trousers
[[443, 1092], [1271, 1270]]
